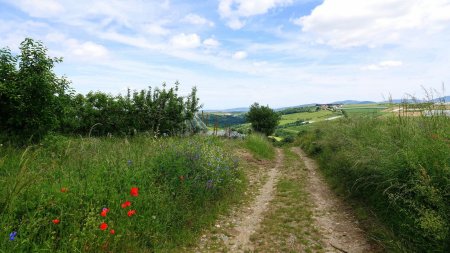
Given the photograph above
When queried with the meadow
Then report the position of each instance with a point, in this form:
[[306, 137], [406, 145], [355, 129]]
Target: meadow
[[307, 116], [397, 168], [114, 194]]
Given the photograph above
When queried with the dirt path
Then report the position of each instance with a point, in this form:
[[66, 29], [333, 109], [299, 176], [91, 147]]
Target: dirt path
[[249, 223], [337, 224]]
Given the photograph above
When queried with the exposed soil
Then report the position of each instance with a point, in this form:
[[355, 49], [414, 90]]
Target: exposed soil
[[227, 232], [249, 223], [248, 227], [335, 220]]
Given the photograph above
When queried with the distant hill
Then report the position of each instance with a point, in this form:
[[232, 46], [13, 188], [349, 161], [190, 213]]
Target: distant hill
[[240, 109], [353, 102], [344, 102], [396, 101], [295, 106], [445, 99]]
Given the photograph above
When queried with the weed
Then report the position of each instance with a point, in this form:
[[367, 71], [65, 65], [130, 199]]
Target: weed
[[141, 194]]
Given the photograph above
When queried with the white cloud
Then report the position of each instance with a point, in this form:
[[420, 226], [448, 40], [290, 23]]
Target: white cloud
[[89, 50], [155, 29], [348, 23], [41, 8], [240, 55], [211, 42], [383, 65], [195, 19], [235, 24], [183, 40], [234, 10], [74, 49]]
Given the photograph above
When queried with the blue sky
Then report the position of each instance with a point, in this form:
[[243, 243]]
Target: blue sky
[[275, 52]]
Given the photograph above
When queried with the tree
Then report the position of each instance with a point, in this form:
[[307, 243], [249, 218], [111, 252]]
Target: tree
[[263, 119], [32, 96]]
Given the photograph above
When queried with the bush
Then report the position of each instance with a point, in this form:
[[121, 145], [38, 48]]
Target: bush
[[34, 101], [263, 119]]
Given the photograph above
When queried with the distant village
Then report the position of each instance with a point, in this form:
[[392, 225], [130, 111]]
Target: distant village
[[330, 107]]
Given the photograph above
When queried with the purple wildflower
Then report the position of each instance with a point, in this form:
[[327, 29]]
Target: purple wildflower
[[129, 162], [13, 235]]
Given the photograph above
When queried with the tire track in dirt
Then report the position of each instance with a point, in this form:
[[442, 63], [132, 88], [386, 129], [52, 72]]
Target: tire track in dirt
[[249, 223], [335, 220]]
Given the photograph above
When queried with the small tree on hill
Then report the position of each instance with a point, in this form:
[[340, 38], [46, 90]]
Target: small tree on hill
[[263, 118]]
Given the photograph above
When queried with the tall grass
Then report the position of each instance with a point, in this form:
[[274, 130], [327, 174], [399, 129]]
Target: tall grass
[[398, 166], [260, 146], [183, 183]]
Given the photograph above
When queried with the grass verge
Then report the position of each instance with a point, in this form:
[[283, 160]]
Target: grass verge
[[399, 167], [69, 195], [260, 146]]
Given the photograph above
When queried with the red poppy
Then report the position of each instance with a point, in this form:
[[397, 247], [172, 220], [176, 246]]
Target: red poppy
[[131, 213], [134, 191], [55, 221], [126, 204], [103, 226], [64, 189], [112, 231], [103, 213]]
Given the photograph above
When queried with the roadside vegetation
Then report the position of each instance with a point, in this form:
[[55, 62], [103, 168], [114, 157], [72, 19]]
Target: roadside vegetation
[[34, 102], [260, 146], [399, 167], [114, 195]]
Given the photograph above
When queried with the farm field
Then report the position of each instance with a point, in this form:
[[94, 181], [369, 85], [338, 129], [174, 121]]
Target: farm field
[[307, 116]]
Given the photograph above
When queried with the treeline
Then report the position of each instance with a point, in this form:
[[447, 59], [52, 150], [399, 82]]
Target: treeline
[[223, 120], [35, 101], [297, 110]]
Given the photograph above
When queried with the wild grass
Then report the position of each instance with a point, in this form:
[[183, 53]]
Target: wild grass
[[260, 146], [183, 184], [397, 166]]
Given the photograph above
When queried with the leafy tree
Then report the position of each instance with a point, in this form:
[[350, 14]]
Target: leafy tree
[[32, 96], [263, 118], [34, 101]]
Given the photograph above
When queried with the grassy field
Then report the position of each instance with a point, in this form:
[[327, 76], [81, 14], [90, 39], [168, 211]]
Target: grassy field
[[397, 167], [365, 111], [307, 116], [114, 195]]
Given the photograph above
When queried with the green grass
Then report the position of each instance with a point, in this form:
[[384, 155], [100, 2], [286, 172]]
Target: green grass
[[397, 167], [260, 146], [311, 116], [365, 111], [183, 184]]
